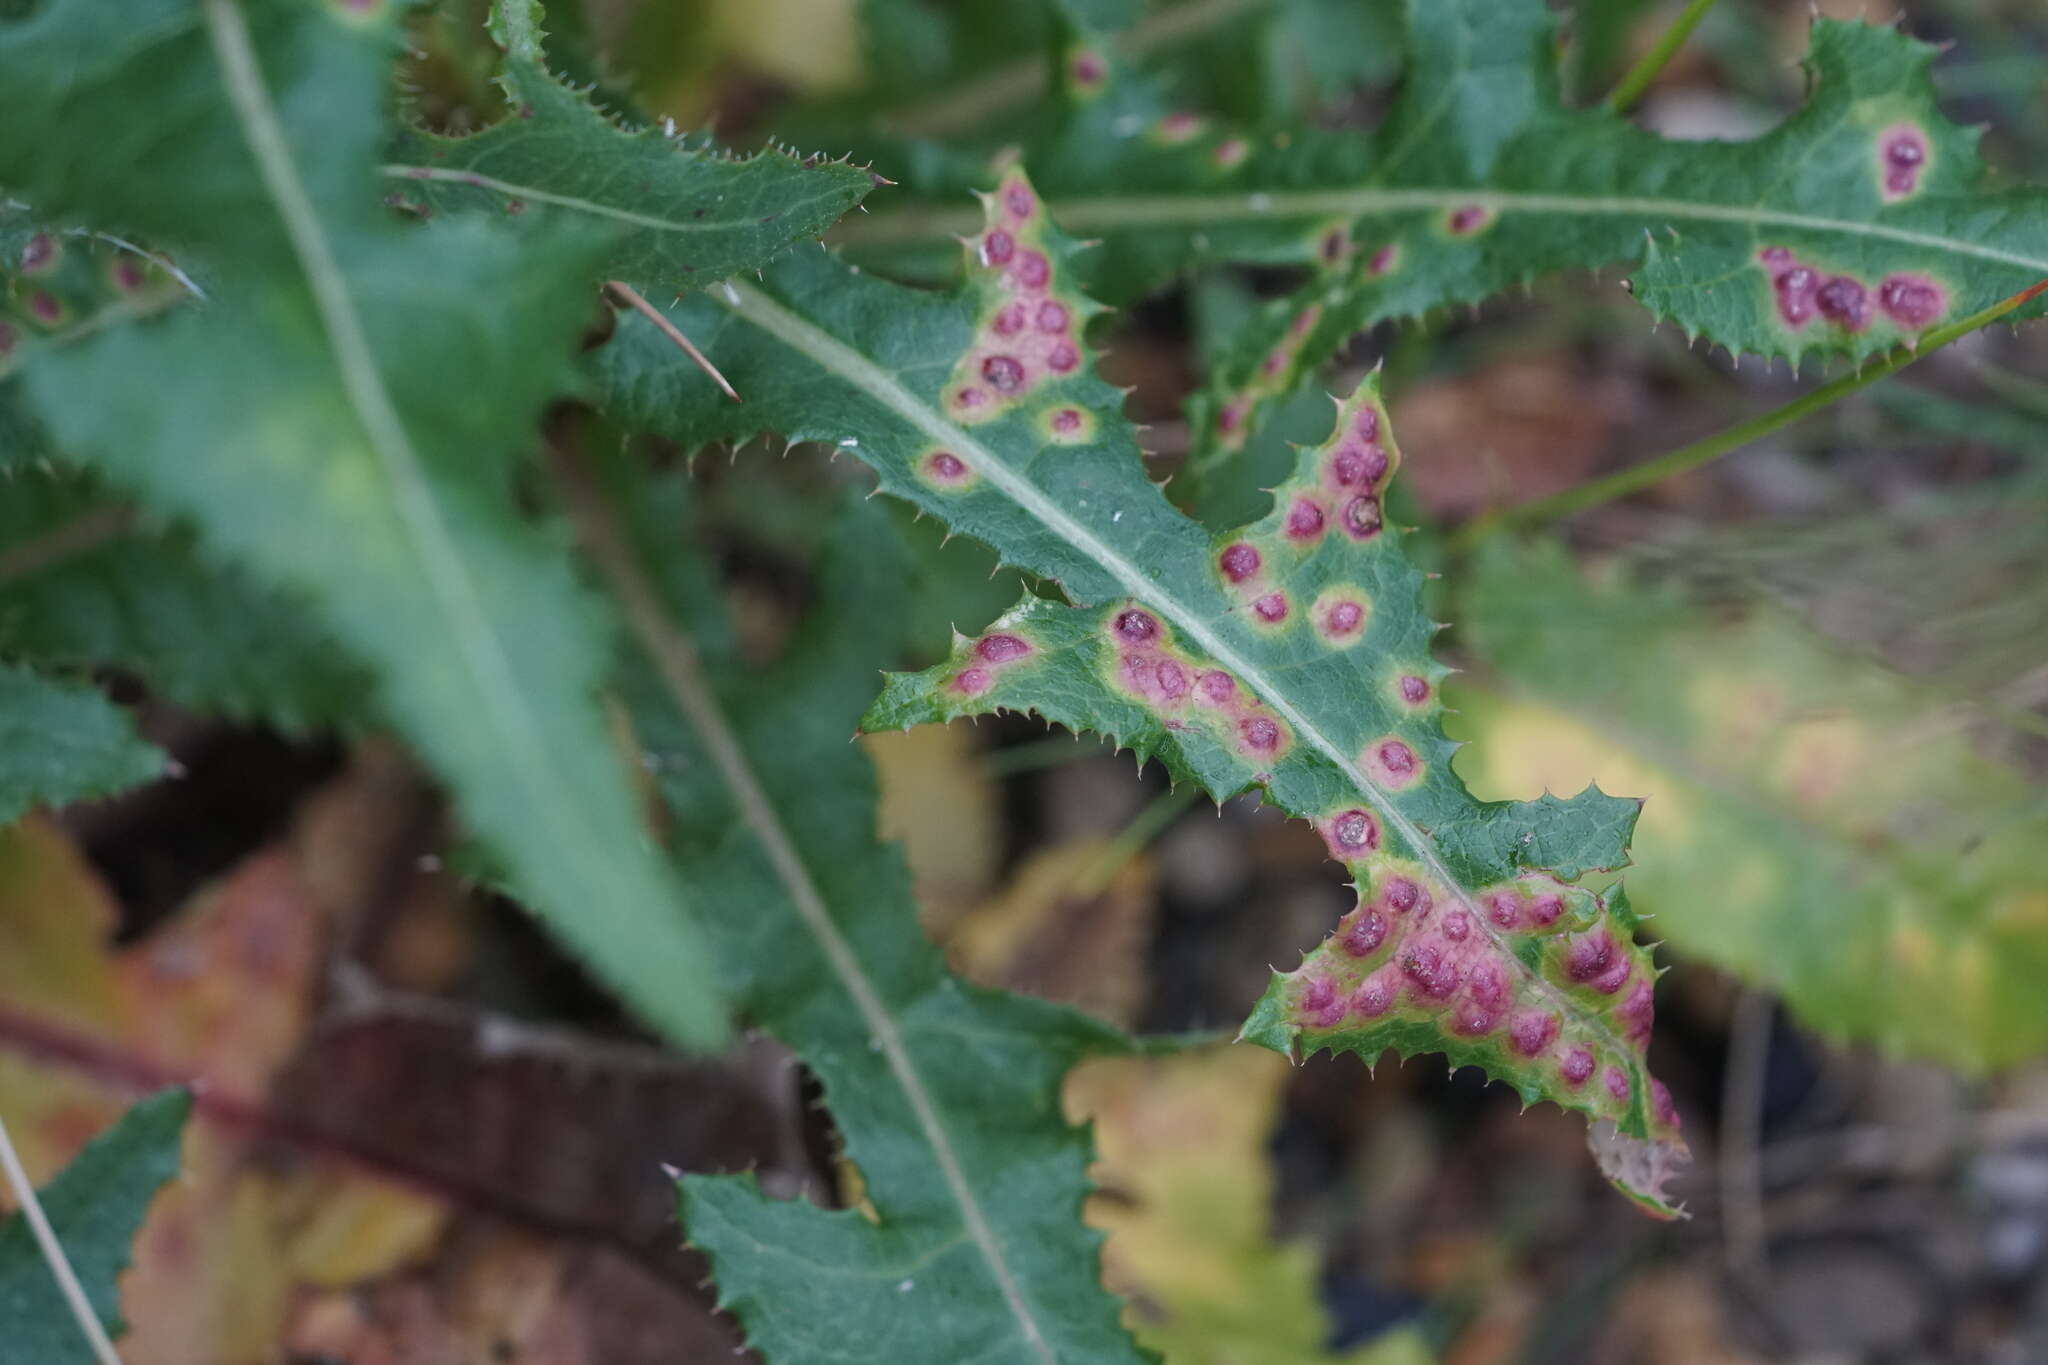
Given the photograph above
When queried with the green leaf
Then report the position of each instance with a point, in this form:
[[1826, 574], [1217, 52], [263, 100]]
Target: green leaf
[[1814, 824], [56, 287], [1296, 661], [86, 582], [684, 217], [62, 742], [346, 415], [945, 1096], [1863, 220], [977, 74], [1187, 1142], [94, 1206]]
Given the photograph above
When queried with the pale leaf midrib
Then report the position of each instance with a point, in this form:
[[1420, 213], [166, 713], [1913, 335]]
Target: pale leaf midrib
[[1108, 213], [514, 190], [864, 375], [448, 576]]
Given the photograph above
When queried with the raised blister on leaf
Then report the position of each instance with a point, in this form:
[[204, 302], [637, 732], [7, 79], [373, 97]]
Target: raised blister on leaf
[[1481, 178], [1291, 655]]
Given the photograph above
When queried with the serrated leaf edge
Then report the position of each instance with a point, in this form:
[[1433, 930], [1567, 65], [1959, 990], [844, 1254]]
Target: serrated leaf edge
[[682, 674], [516, 26], [449, 580], [757, 308]]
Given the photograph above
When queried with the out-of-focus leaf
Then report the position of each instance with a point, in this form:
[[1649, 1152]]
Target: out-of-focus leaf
[[978, 76], [1188, 1183], [111, 588], [94, 1207], [346, 416], [945, 1095], [684, 217], [939, 802], [62, 742], [1813, 824]]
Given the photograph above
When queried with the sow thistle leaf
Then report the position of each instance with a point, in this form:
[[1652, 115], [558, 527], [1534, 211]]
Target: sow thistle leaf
[[976, 75], [685, 218], [344, 416], [969, 1244], [1813, 824], [1292, 656], [1862, 221], [62, 741], [94, 1206]]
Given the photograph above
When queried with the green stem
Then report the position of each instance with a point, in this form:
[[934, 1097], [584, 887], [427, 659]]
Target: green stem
[[1637, 81], [1147, 825], [1638, 477]]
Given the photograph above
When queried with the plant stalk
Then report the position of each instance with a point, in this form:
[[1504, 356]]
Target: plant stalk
[[1636, 82], [1688, 457]]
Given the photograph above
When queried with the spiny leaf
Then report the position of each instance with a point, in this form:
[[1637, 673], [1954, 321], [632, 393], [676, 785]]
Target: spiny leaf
[[64, 742], [1812, 824], [1293, 657], [94, 1206], [307, 421], [1861, 221], [87, 582], [686, 217], [969, 1244]]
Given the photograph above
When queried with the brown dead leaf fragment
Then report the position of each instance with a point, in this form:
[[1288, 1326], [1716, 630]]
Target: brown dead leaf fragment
[[381, 1158], [501, 1296], [1515, 431]]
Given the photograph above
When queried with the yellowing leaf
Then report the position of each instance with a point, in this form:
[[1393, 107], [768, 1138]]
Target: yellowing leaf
[[938, 801], [1183, 1159], [1812, 823]]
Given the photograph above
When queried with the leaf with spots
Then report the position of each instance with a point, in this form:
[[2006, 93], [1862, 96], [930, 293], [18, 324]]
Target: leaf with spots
[[1292, 656], [64, 741], [683, 217], [1862, 221], [345, 418], [968, 1243], [94, 1206]]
